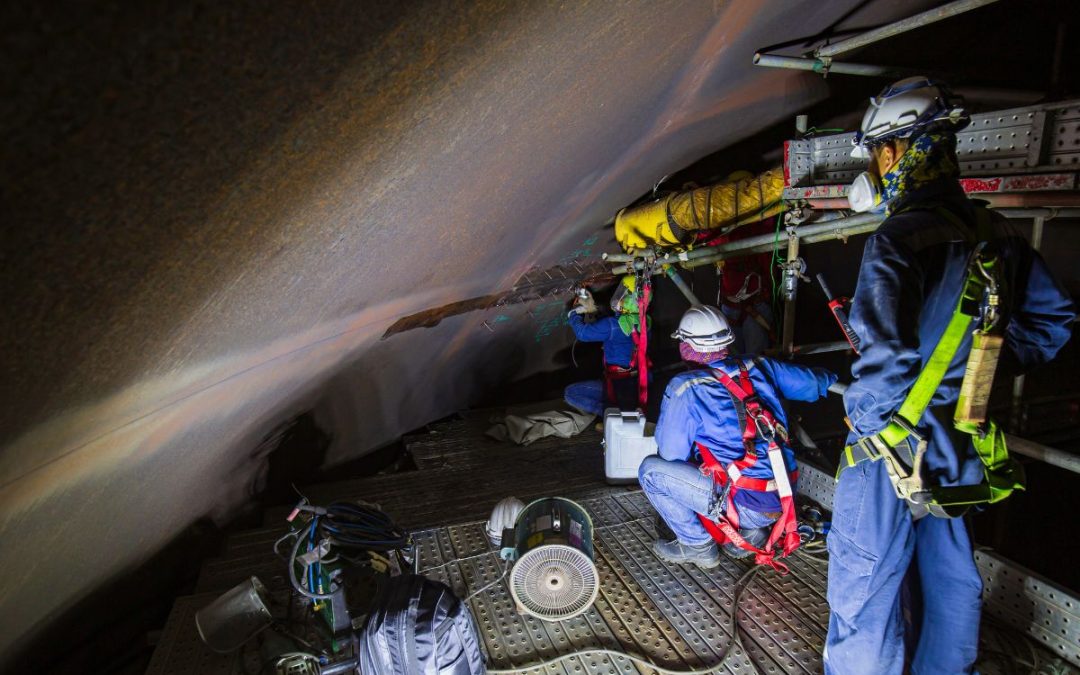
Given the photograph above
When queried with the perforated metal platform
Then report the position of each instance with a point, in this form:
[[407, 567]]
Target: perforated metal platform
[[1014, 144], [676, 616]]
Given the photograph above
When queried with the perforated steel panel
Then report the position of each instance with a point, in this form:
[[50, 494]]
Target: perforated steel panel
[[1035, 139], [1028, 602], [816, 484], [677, 616]]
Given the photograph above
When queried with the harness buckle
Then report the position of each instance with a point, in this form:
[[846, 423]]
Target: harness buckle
[[907, 426]]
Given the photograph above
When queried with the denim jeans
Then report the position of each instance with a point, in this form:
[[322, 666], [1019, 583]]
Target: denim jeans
[[678, 491], [590, 396], [587, 396]]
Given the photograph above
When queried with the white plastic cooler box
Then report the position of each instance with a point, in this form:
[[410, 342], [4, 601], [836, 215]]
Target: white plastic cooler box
[[626, 443]]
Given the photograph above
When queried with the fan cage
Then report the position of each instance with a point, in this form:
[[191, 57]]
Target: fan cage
[[554, 582]]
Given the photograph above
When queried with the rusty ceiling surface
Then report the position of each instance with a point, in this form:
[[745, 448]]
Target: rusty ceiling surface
[[213, 212]]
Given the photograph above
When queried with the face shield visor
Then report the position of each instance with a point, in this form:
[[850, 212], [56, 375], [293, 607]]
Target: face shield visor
[[623, 300]]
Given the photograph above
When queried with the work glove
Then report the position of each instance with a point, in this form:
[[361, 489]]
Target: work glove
[[646, 226], [586, 305]]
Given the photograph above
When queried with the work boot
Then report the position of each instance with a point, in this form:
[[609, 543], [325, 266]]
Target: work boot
[[704, 555], [757, 538]]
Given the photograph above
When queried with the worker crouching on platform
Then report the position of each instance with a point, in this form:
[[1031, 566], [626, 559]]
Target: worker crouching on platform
[[619, 335], [721, 437], [941, 274]]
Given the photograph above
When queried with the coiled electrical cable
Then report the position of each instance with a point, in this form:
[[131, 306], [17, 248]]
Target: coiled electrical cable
[[347, 527], [358, 526]]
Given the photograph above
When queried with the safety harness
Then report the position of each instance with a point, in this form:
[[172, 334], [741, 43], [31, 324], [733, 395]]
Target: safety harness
[[612, 373], [756, 421], [639, 360], [640, 336], [979, 305]]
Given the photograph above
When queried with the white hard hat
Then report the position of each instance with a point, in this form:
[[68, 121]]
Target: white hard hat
[[914, 104], [503, 516], [704, 328]]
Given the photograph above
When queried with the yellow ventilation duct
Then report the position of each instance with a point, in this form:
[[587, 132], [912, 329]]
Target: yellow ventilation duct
[[675, 220]]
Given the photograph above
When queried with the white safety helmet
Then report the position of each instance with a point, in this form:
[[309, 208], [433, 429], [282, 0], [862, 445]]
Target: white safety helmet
[[914, 104], [503, 516], [704, 328]]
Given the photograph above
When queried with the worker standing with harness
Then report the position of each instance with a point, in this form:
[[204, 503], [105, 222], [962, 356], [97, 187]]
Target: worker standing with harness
[[945, 289], [620, 334], [725, 471]]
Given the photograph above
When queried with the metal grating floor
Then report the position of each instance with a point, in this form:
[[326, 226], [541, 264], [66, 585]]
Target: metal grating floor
[[676, 616]]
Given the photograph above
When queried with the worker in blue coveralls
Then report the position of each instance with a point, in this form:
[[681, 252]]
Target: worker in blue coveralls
[[913, 269], [697, 409], [619, 387]]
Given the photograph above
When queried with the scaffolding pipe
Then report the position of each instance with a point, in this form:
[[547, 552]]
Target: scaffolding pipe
[[820, 348], [809, 234], [681, 285], [1021, 446], [1016, 419], [787, 340], [1059, 458], [995, 200], [1045, 213], [902, 26], [823, 67]]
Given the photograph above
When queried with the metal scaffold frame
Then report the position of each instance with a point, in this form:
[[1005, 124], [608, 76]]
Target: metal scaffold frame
[[1023, 161]]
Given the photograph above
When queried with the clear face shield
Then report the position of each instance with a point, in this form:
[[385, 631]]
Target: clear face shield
[[619, 297]]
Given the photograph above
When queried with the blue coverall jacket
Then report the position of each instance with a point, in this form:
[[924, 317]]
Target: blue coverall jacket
[[698, 409], [909, 283], [618, 347], [591, 396]]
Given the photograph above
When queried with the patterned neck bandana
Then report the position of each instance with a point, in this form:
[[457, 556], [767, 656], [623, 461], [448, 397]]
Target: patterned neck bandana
[[929, 164], [692, 355]]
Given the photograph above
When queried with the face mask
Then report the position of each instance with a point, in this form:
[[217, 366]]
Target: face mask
[[865, 193]]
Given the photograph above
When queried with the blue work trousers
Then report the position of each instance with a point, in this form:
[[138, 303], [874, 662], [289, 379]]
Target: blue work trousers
[[590, 396], [872, 545], [679, 491]]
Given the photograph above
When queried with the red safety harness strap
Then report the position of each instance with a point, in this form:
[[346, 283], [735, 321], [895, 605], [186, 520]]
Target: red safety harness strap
[[757, 421], [612, 373], [640, 336]]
